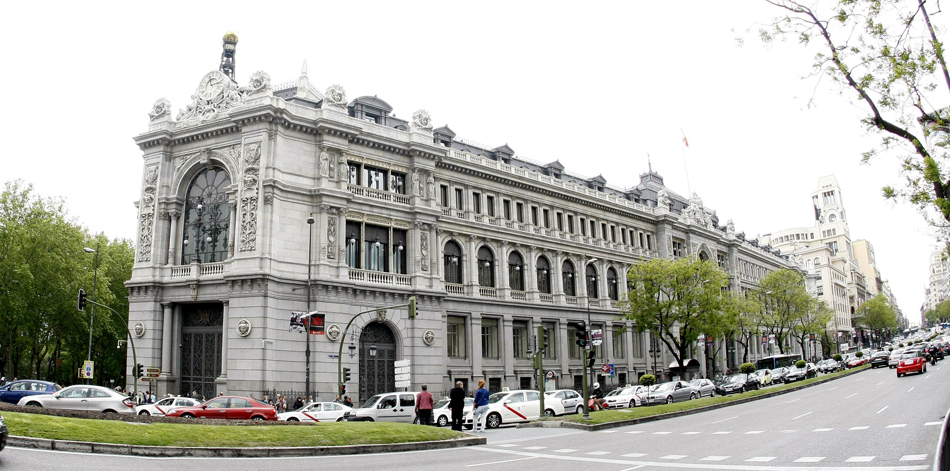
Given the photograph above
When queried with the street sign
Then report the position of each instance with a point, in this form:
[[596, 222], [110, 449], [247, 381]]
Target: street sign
[[87, 369], [550, 375], [402, 384], [152, 369], [401, 363], [402, 371], [596, 337], [402, 377], [605, 368], [612, 370], [316, 323]]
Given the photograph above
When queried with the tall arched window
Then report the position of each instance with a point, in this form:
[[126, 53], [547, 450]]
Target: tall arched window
[[486, 273], [612, 291], [207, 217], [591, 273], [515, 272], [452, 262], [567, 276], [544, 275]]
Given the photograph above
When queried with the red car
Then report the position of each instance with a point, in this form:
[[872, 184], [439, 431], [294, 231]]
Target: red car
[[911, 361], [855, 362], [228, 407]]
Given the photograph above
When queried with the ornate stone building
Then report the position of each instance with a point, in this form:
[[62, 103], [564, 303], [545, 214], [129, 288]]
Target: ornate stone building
[[492, 245]]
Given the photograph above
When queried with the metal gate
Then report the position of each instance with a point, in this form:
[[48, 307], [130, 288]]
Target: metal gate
[[377, 372], [201, 330]]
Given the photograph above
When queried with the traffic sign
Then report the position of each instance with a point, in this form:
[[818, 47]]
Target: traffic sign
[[152, 369], [87, 369], [550, 374], [402, 384], [402, 371], [404, 377], [596, 337], [605, 368], [401, 363]]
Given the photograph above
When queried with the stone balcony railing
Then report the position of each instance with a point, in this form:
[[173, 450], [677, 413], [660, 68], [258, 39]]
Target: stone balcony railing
[[200, 269], [378, 277], [379, 195]]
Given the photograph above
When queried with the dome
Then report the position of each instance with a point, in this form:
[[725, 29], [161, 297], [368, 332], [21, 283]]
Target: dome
[[230, 37]]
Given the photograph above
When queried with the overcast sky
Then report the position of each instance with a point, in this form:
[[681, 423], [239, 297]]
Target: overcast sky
[[596, 85]]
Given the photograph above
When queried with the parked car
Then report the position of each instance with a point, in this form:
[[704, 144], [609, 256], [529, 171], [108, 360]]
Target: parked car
[[705, 387], [316, 412], [227, 407], [13, 391], [166, 405], [765, 376], [828, 366], [795, 374], [670, 392], [572, 400], [857, 361], [82, 397], [879, 359], [629, 396], [894, 358], [739, 383], [386, 407], [516, 406], [911, 361], [442, 415], [4, 433]]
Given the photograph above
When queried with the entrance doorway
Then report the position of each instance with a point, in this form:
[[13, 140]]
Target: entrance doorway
[[377, 372], [201, 328]]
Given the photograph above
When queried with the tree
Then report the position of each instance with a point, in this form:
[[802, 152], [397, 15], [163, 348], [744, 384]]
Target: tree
[[876, 315], [742, 322], [747, 368], [811, 322], [941, 313], [679, 299], [783, 301], [887, 55]]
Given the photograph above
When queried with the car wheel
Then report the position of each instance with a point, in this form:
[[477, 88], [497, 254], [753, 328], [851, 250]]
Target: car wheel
[[33, 404], [712, 393], [632, 403], [899, 375], [442, 421], [187, 416], [580, 409], [669, 399], [415, 421], [108, 411], [549, 413], [293, 419], [257, 417], [493, 421], [367, 419], [692, 397], [145, 413]]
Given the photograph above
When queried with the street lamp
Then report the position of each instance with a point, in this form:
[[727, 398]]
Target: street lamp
[[310, 222], [590, 369], [92, 309]]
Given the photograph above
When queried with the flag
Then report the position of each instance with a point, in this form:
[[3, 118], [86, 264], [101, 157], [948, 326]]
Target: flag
[[684, 138]]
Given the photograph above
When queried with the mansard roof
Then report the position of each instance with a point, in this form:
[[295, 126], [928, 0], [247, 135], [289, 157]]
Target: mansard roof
[[372, 101]]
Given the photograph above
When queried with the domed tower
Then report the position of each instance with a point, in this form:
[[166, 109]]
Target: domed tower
[[227, 54]]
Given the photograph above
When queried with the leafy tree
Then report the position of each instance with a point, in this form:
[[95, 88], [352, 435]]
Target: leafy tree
[[783, 300], [800, 363], [837, 357], [680, 299], [887, 55], [647, 380], [941, 313], [876, 315], [811, 322], [747, 368], [741, 322], [859, 354]]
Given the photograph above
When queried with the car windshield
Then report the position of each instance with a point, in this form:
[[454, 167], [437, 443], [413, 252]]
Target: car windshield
[[696, 382], [779, 371], [371, 402], [761, 372], [496, 397], [442, 403], [908, 355], [736, 379], [664, 387]]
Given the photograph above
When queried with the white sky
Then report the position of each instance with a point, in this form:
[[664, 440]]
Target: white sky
[[596, 85]]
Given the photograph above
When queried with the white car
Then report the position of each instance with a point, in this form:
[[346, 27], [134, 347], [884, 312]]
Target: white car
[[316, 412], [521, 405], [572, 400], [82, 397], [630, 396], [166, 405], [442, 415]]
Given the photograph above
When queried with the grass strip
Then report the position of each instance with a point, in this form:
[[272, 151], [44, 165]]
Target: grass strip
[[194, 435], [617, 415]]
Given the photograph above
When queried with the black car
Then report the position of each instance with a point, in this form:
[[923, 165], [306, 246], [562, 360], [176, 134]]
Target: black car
[[880, 359], [778, 375], [4, 433], [738, 383], [795, 374]]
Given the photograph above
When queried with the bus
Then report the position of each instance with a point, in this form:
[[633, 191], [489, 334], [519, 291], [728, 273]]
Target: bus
[[777, 361]]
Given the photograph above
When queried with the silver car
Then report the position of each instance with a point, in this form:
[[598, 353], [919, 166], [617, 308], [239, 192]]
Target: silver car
[[572, 400], [706, 387], [673, 391], [83, 397]]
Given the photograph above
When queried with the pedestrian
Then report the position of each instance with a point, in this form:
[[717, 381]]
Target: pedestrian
[[337, 400], [424, 406], [298, 403], [457, 404], [151, 398], [480, 408], [347, 402]]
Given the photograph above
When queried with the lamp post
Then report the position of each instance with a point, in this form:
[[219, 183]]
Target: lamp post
[[92, 309], [310, 222], [590, 369]]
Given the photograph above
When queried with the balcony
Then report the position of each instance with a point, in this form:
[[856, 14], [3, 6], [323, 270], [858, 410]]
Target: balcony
[[379, 195], [203, 270], [519, 295], [454, 288], [378, 277], [546, 298], [487, 292]]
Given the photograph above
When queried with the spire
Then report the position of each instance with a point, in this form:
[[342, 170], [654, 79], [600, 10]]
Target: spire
[[649, 165], [303, 70]]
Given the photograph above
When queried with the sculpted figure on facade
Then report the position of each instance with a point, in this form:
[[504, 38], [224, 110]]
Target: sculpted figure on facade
[[421, 121], [324, 163], [424, 247], [260, 83], [416, 187], [430, 185], [730, 228], [147, 214], [695, 214], [331, 237], [341, 167], [215, 94], [335, 97], [162, 107], [663, 200], [252, 154]]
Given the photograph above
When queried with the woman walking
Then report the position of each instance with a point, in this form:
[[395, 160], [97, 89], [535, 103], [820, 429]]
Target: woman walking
[[481, 406]]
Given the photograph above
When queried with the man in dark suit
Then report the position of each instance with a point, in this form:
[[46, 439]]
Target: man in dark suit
[[457, 404]]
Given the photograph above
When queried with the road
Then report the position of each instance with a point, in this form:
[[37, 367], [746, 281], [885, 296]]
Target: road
[[868, 421]]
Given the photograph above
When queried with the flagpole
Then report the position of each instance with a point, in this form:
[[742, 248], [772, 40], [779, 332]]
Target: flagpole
[[689, 190]]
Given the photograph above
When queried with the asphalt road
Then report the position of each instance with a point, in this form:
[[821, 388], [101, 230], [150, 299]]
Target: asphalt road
[[869, 421]]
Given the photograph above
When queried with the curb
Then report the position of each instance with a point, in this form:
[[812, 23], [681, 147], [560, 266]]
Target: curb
[[209, 452], [671, 415]]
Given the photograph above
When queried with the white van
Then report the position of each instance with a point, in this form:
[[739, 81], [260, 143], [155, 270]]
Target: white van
[[386, 407]]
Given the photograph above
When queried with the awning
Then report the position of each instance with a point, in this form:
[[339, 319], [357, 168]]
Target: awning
[[690, 364]]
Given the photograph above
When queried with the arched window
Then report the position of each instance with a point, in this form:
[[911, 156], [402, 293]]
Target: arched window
[[544, 275], [591, 273], [452, 262], [207, 216], [515, 272], [817, 262], [703, 256], [486, 273], [832, 217], [612, 291], [567, 276]]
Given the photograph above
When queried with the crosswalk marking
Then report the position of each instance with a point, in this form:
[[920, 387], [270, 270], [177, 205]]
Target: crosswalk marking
[[761, 459], [932, 423], [822, 430], [809, 459], [859, 459], [714, 458], [913, 458], [634, 455], [598, 453], [896, 426], [672, 457], [535, 447], [564, 450]]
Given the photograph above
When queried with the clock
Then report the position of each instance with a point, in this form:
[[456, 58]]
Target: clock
[[212, 85]]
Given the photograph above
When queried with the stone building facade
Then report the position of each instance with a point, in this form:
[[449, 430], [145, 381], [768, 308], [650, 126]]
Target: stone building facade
[[492, 245]]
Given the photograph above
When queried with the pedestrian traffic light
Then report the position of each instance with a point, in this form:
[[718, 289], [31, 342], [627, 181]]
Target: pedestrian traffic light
[[412, 307], [82, 299], [346, 375], [590, 359], [139, 370], [581, 333]]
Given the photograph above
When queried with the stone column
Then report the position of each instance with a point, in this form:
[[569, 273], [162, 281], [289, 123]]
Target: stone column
[[476, 349], [563, 355], [232, 222], [506, 332], [471, 267], [167, 338], [504, 284], [557, 280], [530, 274], [173, 237], [225, 323]]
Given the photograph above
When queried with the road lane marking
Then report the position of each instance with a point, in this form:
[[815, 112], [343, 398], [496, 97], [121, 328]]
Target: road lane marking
[[793, 400], [882, 409], [859, 379], [564, 450], [598, 453], [753, 432], [925, 377], [506, 444], [634, 455], [789, 431], [672, 457], [932, 423], [723, 420], [832, 389], [859, 459], [534, 447], [862, 427], [896, 426], [822, 430], [498, 462], [635, 467], [849, 397], [878, 384], [662, 433], [809, 459], [607, 431], [803, 415], [690, 433], [761, 459], [911, 389], [635, 431], [714, 458], [913, 458]]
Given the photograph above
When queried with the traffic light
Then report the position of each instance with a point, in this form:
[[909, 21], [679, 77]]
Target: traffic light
[[581, 333], [139, 370], [82, 299], [412, 307], [544, 342], [346, 375], [590, 359], [542, 338], [342, 390]]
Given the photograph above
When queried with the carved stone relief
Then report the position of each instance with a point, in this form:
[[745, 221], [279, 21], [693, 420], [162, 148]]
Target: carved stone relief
[[147, 214], [162, 107], [249, 200], [341, 168], [331, 237], [324, 163], [335, 97], [421, 121], [216, 93], [669, 246], [424, 247]]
